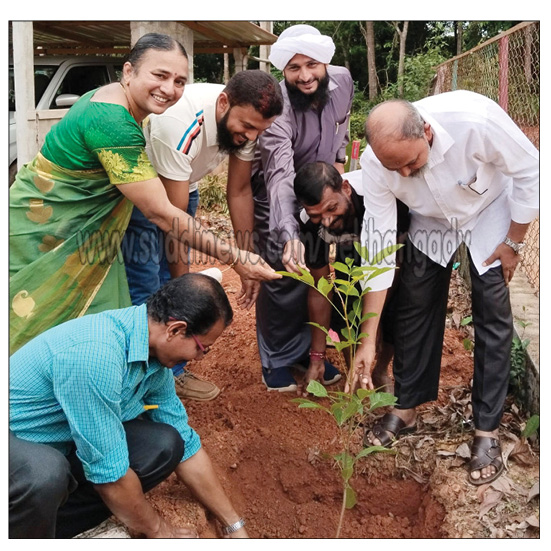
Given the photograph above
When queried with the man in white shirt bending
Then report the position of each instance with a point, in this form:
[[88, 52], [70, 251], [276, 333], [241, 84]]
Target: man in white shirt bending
[[468, 174]]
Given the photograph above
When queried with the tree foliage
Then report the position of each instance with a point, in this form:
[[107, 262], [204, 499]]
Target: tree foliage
[[427, 44]]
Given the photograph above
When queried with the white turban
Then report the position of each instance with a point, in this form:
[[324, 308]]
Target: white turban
[[301, 39]]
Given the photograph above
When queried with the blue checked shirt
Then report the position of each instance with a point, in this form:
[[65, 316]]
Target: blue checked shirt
[[78, 382]]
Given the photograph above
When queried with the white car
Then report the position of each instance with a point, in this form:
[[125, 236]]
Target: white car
[[59, 81]]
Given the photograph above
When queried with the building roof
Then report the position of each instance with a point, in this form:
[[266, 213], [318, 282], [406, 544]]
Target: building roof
[[112, 37]]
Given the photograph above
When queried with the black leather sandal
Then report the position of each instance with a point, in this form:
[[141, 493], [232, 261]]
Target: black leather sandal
[[485, 451], [387, 430]]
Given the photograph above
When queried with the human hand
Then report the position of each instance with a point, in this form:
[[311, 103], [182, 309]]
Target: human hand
[[293, 256], [508, 258], [315, 372], [251, 266], [167, 530], [365, 354], [249, 293]]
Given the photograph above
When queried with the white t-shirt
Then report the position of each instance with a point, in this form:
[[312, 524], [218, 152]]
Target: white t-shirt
[[482, 173], [182, 142]]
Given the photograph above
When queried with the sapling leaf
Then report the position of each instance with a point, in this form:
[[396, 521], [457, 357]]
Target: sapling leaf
[[337, 414], [381, 399], [348, 290], [377, 272], [363, 393], [340, 267], [317, 389], [384, 253], [362, 251], [304, 403], [324, 287], [290, 274], [345, 460], [351, 316], [351, 409], [357, 271], [373, 449], [367, 316], [350, 499], [320, 327], [340, 346], [307, 277], [347, 472]]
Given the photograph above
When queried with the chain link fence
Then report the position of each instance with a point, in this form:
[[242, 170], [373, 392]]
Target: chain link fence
[[507, 70]]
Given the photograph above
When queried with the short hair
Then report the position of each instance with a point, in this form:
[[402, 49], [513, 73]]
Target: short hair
[[195, 298], [411, 125], [312, 179], [153, 41], [256, 88]]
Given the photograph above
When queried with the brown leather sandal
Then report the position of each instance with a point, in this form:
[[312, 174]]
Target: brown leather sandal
[[485, 450], [388, 425]]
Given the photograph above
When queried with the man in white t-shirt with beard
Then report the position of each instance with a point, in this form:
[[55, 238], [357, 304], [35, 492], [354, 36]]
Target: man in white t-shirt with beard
[[211, 122]]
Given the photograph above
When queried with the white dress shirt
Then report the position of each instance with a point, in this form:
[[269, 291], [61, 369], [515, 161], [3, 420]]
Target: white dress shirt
[[482, 173]]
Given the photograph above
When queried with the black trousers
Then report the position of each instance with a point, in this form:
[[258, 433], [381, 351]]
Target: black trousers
[[49, 495], [282, 330], [419, 332]]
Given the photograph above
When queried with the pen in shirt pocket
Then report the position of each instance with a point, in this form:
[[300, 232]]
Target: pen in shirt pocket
[[151, 406], [470, 184], [466, 184]]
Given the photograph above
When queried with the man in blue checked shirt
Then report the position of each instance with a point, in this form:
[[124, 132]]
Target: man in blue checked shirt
[[95, 421]]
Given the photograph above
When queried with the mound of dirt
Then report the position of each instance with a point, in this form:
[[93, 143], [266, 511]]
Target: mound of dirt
[[275, 460]]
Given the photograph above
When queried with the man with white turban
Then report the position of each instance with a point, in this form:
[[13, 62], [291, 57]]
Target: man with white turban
[[313, 127]]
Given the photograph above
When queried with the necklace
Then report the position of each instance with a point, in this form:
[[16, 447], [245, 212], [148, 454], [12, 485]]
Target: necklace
[[128, 100]]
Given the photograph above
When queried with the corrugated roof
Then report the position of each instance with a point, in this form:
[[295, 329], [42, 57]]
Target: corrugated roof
[[107, 37]]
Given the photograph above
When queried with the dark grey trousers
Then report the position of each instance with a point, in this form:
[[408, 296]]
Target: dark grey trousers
[[49, 496], [282, 330], [419, 330]]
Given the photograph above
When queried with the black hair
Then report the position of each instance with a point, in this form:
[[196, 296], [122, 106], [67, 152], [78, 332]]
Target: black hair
[[312, 179], [197, 299], [256, 88], [153, 41]]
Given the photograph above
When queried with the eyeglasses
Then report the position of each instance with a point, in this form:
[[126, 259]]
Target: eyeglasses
[[203, 349]]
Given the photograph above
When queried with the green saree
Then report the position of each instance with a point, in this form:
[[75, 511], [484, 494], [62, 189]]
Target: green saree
[[67, 219]]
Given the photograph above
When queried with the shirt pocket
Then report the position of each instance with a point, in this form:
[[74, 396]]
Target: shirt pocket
[[340, 129], [474, 186]]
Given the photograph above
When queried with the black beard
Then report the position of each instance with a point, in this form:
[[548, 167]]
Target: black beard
[[350, 222], [302, 102], [225, 138]]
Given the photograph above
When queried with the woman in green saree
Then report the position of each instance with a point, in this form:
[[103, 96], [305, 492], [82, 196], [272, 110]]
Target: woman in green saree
[[70, 206]]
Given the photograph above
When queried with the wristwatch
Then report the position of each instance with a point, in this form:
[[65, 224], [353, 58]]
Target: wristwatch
[[341, 161], [517, 247], [233, 527]]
